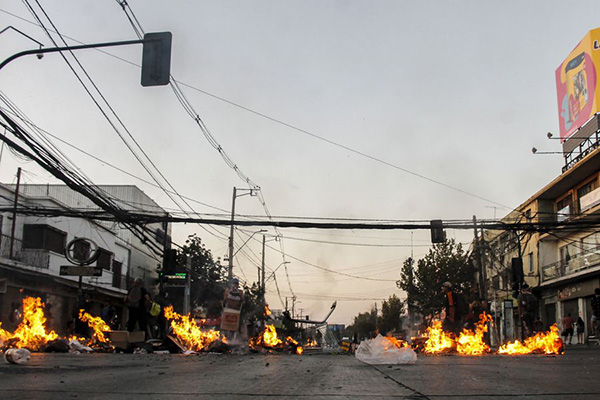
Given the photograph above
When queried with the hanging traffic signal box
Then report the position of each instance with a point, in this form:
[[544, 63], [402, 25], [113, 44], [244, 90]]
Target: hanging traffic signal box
[[518, 277], [156, 59], [437, 231], [170, 262]]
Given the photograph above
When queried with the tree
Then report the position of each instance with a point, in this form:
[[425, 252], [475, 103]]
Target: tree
[[209, 278], [391, 315], [365, 324], [445, 262]]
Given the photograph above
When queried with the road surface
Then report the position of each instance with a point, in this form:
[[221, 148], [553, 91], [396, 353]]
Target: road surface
[[575, 375]]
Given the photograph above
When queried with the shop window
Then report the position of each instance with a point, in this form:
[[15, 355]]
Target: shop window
[[104, 259], [44, 237]]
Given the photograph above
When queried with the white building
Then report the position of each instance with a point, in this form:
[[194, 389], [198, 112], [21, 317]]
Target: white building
[[38, 246]]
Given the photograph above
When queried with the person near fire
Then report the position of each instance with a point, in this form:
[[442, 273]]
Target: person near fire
[[580, 326], [596, 313], [528, 306], [454, 305], [568, 323], [137, 301]]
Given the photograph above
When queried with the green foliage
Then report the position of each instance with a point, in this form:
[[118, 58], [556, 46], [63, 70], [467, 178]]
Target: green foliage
[[445, 262], [391, 315], [365, 324], [209, 278]]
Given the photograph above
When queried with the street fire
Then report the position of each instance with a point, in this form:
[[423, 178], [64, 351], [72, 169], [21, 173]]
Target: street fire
[[267, 311], [191, 335], [542, 343], [31, 332], [471, 343], [438, 341], [97, 324], [397, 342], [311, 343], [269, 340]]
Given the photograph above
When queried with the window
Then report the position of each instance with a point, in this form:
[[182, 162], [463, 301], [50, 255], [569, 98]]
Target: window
[[116, 268], [530, 262], [591, 242], [44, 237], [587, 188], [564, 208], [104, 259]]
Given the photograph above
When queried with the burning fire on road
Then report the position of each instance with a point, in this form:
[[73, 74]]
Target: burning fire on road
[[541, 343], [269, 341], [191, 335]]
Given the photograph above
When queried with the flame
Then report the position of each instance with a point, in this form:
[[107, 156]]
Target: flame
[[397, 342], [189, 333], [471, 343], [269, 336], [292, 342], [311, 343], [4, 335], [543, 342], [97, 324], [267, 311], [437, 340], [31, 332]]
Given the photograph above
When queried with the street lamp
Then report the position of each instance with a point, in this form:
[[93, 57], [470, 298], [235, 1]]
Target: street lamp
[[251, 192]]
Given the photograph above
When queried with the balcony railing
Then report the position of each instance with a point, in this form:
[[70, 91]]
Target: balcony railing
[[39, 258], [580, 262]]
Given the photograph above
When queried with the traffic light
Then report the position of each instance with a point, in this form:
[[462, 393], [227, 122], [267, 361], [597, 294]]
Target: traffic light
[[437, 231], [170, 261], [156, 59]]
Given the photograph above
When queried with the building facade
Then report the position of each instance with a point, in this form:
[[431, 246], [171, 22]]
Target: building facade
[[561, 265], [33, 250]]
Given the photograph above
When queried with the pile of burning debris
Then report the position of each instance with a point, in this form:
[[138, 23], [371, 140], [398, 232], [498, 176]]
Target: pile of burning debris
[[471, 342], [188, 335]]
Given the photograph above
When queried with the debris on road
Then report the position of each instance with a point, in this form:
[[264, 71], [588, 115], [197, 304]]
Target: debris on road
[[380, 351], [17, 356]]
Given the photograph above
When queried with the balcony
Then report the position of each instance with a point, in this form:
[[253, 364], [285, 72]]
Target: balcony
[[583, 261], [33, 257]]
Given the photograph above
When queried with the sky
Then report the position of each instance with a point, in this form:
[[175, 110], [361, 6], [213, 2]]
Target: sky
[[418, 103]]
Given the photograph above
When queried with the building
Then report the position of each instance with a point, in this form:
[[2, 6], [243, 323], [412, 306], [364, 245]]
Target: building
[[32, 254], [561, 265]]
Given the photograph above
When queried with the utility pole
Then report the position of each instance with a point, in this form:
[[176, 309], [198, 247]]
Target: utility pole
[[14, 221], [188, 286], [262, 273], [482, 288], [230, 274]]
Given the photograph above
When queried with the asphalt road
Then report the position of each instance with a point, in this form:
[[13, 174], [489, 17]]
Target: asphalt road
[[575, 375]]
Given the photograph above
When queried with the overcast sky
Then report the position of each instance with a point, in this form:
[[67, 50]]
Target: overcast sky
[[455, 91]]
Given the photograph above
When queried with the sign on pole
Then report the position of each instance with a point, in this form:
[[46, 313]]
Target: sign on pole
[[76, 270]]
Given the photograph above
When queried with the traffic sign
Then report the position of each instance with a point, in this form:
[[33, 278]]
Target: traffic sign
[[76, 270]]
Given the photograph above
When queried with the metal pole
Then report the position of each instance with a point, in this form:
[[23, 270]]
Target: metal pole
[[166, 247], [188, 287], [482, 293], [14, 221], [230, 274], [262, 274]]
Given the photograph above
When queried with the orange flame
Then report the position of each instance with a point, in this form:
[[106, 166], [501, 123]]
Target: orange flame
[[542, 342], [397, 342], [437, 340], [267, 311], [4, 335], [311, 343], [291, 342], [189, 333], [471, 343], [97, 324], [31, 332]]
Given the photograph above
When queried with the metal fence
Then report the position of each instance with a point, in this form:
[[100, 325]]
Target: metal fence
[[586, 259]]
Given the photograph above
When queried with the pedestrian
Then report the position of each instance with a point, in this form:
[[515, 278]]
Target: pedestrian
[[580, 330], [454, 305], [109, 314], [596, 314], [528, 307], [568, 328], [82, 329], [137, 301]]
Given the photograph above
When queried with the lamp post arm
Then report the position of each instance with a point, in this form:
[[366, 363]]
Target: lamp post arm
[[70, 48]]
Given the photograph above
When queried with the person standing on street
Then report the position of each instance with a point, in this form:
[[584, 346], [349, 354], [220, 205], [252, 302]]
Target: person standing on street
[[568, 328], [454, 306], [596, 313], [580, 330], [137, 301], [528, 306]]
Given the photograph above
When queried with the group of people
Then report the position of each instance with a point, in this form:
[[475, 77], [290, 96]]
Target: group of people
[[461, 314]]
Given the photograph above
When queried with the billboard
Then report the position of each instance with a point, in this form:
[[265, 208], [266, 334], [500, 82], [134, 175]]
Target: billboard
[[577, 85]]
